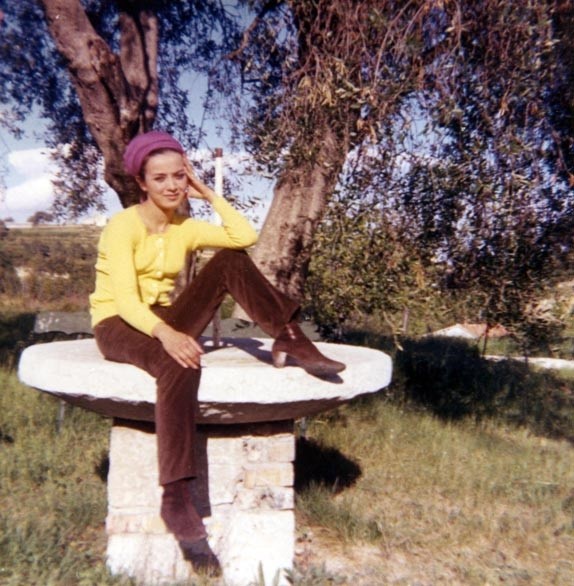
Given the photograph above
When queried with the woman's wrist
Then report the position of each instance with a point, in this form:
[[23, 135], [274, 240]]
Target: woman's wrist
[[161, 329], [210, 195]]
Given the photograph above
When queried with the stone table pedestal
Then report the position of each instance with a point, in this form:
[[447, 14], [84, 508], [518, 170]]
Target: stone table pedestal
[[245, 497], [246, 447]]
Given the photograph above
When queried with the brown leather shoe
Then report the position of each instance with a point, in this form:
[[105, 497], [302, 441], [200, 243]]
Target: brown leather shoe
[[179, 513], [293, 342], [202, 558]]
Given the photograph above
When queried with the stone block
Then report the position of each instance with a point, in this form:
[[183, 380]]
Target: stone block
[[254, 449], [277, 498], [225, 450], [281, 448], [238, 383], [223, 482], [244, 496], [152, 560], [268, 474], [118, 522], [263, 539], [133, 481]]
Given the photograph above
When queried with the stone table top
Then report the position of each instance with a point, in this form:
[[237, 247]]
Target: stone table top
[[238, 383]]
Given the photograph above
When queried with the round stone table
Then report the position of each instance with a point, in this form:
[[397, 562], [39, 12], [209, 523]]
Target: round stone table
[[246, 444]]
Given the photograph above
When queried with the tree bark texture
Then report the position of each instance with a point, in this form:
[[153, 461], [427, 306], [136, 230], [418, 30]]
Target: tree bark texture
[[300, 197], [118, 93]]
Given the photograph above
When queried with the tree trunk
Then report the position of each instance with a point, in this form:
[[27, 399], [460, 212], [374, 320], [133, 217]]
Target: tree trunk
[[300, 196], [118, 93]]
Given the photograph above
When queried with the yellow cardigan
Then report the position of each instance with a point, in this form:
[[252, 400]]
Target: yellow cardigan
[[135, 269]]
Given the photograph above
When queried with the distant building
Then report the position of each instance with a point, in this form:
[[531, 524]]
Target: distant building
[[99, 220], [472, 331]]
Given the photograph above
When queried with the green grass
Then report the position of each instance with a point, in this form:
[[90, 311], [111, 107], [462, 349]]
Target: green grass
[[443, 502], [52, 490]]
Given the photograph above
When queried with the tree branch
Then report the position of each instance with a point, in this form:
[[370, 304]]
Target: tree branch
[[118, 95], [271, 5]]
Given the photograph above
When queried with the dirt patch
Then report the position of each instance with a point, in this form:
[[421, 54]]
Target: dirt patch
[[320, 559]]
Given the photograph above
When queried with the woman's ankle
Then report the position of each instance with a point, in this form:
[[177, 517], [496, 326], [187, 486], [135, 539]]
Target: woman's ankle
[[179, 513]]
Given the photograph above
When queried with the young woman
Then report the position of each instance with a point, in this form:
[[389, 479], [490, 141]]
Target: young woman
[[140, 253]]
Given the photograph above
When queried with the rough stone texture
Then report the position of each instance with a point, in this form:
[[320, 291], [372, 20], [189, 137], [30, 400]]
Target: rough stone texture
[[238, 384], [152, 559], [76, 322], [249, 523]]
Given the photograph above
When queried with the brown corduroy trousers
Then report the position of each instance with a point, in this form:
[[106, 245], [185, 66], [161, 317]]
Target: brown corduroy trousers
[[176, 405]]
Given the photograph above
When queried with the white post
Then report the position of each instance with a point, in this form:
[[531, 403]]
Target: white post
[[218, 171], [216, 323], [218, 188]]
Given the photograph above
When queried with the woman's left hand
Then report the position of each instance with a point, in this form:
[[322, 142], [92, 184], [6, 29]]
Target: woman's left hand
[[196, 188], [182, 348]]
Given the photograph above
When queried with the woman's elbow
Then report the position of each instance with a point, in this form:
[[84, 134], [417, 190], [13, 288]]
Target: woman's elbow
[[243, 239], [248, 240], [252, 240]]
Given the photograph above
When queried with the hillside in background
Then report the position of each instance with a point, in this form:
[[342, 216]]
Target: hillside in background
[[47, 266]]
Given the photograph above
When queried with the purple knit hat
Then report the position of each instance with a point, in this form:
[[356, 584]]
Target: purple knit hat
[[144, 144]]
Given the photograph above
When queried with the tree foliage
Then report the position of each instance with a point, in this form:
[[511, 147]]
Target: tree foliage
[[451, 112], [470, 169], [493, 204], [41, 217], [364, 266], [323, 78], [561, 93]]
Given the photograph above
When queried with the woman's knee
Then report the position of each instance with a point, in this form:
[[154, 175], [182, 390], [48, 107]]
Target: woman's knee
[[229, 256]]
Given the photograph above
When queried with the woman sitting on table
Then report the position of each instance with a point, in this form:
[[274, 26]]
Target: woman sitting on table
[[140, 253]]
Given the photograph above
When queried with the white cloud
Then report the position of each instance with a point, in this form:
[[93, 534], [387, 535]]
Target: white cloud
[[30, 162], [30, 174], [34, 193]]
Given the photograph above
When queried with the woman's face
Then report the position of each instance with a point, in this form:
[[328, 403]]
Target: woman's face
[[164, 180]]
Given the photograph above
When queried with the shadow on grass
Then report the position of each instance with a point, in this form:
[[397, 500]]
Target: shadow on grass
[[317, 465], [102, 468], [450, 378], [14, 329]]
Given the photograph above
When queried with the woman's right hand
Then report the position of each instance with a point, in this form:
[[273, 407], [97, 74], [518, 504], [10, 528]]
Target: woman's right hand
[[195, 187], [184, 349]]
